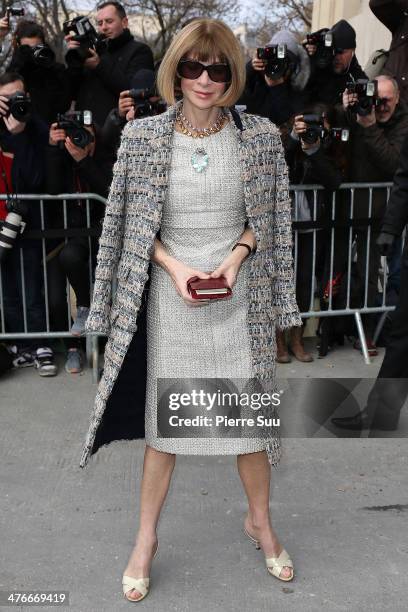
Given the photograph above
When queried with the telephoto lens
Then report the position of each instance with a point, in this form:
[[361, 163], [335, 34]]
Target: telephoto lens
[[12, 225]]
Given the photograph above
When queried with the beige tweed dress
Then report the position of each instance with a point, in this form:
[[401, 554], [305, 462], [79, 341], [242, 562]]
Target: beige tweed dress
[[203, 217]]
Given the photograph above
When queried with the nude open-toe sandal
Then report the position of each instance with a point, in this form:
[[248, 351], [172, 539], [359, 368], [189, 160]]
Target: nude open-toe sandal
[[140, 584], [275, 565]]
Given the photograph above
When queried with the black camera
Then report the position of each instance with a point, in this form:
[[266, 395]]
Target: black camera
[[147, 103], [314, 128], [74, 123], [367, 92], [12, 225], [13, 12], [84, 33], [19, 106], [278, 61], [43, 56], [323, 41]]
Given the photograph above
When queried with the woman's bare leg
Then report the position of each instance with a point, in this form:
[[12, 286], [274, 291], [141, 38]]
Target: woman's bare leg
[[255, 472], [157, 471]]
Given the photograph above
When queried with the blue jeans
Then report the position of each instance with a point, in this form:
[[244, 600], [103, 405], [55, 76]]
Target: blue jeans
[[394, 266]]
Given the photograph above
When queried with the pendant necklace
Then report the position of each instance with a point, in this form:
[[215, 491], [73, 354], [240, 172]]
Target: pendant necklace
[[199, 159]]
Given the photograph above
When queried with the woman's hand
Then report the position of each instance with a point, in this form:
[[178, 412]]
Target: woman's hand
[[179, 273], [231, 266], [232, 263]]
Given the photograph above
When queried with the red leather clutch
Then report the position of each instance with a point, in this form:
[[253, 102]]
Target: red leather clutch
[[208, 288]]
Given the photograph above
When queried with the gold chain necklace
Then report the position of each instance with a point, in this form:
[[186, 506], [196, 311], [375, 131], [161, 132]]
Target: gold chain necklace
[[200, 158], [190, 130]]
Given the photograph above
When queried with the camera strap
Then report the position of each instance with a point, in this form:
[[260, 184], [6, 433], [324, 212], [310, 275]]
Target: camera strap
[[237, 118]]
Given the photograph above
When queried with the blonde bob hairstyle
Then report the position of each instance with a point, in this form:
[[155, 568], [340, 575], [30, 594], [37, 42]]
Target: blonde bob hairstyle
[[206, 40]]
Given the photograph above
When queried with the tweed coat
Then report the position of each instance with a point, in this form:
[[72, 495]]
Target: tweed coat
[[132, 220]]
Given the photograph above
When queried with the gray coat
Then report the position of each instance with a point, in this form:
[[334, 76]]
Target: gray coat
[[133, 218]]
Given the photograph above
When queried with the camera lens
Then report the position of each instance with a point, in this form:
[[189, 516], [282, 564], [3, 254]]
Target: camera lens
[[20, 107], [43, 56]]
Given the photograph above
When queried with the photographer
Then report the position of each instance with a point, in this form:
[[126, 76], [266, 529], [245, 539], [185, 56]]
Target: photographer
[[377, 131], [389, 392], [334, 65], [75, 162], [99, 74], [274, 88], [394, 15], [4, 30], [314, 156], [134, 103], [23, 138], [45, 79]]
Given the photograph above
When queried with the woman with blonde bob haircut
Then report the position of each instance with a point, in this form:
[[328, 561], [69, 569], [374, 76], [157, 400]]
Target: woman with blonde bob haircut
[[199, 205], [209, 39]]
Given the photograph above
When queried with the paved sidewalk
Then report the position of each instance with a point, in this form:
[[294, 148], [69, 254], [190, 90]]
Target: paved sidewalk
[[340, 507]]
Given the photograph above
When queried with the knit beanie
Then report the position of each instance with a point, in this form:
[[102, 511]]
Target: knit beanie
[[344, 35]]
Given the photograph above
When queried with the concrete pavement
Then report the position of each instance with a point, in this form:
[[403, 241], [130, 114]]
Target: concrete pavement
[[339, 506]]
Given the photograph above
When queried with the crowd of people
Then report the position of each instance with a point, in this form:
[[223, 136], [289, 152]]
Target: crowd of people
[[60, 126]]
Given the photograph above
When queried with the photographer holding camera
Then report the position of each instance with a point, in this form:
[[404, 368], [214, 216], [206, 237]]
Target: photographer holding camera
[[102, 64], [4, 30], [45, 79], [378, 123], [75, 162], [315, 153], [139, 101], [389, 392], [23, 139], [5, 21], [276, 79], [394, 15], [333, 61]]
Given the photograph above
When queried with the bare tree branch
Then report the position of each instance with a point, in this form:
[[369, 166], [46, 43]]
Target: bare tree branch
[[170, 15]]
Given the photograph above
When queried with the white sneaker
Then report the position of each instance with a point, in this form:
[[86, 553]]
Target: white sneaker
[[44, 362]]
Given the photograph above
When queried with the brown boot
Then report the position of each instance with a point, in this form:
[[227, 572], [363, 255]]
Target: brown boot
[[296, 345], [282, 355]]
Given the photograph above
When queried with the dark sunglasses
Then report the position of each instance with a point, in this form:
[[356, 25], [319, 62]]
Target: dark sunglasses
[[190, 69]]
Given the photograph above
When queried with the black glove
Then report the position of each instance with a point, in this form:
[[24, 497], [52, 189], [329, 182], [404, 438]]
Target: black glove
[[385, 242]]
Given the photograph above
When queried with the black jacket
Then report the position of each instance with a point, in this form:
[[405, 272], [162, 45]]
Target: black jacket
[[278, 103], [111, 131], [49, 88], [374, 157], [394, 15], [396, 216], [65, 175], [28, 169], [316, 168], [327, 87], [98, 90]]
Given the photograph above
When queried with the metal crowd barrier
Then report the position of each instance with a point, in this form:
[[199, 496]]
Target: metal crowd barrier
[[43, 234], [314, 225], [350, 221]]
